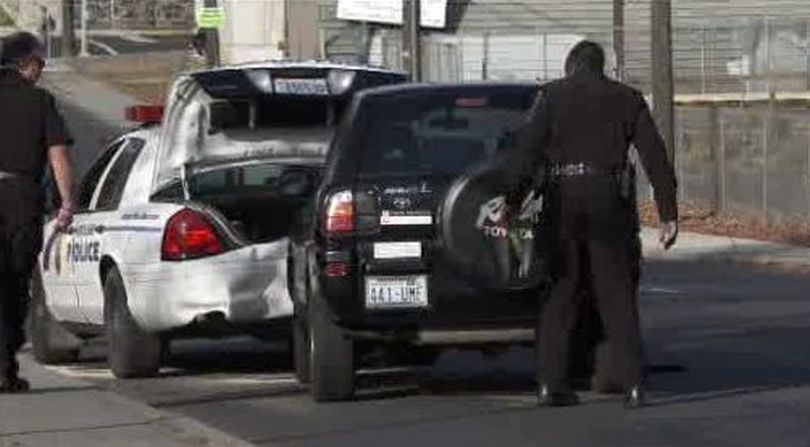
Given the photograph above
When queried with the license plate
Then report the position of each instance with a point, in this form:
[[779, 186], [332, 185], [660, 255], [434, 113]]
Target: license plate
[[313, 87], [396, 292]]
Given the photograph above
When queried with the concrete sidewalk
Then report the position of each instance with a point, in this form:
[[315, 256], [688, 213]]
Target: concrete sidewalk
[[63, 412], [702, 247]]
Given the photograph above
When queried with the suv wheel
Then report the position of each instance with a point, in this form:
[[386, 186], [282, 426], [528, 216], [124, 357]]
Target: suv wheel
[[51, 343], [331, 354], [132, 351]]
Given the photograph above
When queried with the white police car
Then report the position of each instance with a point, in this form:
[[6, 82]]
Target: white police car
[[184, 224]]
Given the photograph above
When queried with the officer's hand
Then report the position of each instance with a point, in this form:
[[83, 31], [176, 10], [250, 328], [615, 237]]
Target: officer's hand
[[64, 219], [669, 233]]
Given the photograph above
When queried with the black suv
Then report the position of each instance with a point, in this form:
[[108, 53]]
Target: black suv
[[374, 264]]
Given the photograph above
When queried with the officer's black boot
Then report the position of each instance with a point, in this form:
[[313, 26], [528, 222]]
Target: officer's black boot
[[14, 385], [636, 397], [555, 398]]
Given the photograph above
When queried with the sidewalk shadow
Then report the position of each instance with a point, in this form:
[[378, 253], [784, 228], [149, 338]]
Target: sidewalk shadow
[[36, 391]]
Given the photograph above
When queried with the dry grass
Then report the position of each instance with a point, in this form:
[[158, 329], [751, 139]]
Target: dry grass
[[5, 18], [699, 218]]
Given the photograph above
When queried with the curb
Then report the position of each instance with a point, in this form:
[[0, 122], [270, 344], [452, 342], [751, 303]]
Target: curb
[[183, 424], [756, 253], [185, 430]]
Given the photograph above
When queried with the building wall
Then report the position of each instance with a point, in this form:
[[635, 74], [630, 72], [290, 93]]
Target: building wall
[[303, 37], [255, 30]]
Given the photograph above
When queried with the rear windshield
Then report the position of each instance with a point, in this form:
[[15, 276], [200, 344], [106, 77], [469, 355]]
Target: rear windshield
[[440, 133]]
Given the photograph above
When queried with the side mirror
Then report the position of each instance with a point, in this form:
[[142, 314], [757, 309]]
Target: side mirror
[[223, 115]]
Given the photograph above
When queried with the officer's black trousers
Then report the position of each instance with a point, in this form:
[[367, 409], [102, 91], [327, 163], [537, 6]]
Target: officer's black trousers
[[590, 354], [20, 243], [591, 239]]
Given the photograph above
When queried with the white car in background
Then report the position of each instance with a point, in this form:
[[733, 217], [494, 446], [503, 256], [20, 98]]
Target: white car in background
[[184, 224]]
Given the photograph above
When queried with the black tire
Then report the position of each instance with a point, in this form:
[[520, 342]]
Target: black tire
[[331, 354], [421, 356], [133, 352], [298, 278], [51, 343], [300, 347], [486, 243]]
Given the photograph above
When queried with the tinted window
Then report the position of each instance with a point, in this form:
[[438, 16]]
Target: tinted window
[[287, 112], [439, 132], [93, 175], [116, 180]]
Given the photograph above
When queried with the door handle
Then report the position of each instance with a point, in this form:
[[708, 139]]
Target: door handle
[[99, 229]]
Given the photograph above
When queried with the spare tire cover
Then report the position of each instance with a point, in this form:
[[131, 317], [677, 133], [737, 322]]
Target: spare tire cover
[[484, 240]]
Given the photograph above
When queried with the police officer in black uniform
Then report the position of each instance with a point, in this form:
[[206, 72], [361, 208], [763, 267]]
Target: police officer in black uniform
[[32, 133], [578, 137]]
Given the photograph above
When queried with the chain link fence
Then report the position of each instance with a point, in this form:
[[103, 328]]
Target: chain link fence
[[742, 79], [745, 159], [138, 14]]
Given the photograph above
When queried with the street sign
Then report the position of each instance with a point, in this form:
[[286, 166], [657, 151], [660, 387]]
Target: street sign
[[433, 14], [208, 17]]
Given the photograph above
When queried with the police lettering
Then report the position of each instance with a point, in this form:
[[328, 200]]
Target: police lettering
[[84, 251]]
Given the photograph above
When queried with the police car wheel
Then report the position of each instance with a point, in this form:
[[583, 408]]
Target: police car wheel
[[51, 343], [299, 268], [300, 347], [332, 357], [132, 351]]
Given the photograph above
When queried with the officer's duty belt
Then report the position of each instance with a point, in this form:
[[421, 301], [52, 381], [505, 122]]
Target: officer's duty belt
[[580, 170]]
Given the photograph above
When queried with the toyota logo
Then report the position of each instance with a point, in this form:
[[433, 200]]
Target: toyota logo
[[402, 203]]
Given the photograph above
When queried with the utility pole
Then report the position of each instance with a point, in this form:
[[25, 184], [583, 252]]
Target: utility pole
[[212, 41], [618, 37], [85, 44], [412, 39], [663, 85], [68, 38]]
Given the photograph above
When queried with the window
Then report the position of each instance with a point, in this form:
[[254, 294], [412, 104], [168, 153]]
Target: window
[[223, 181], [286, 113], [440, 133], [116, 180], [93, 175]]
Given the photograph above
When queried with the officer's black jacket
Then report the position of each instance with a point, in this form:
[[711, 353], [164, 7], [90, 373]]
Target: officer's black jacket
[[29, 125], [593, 120]]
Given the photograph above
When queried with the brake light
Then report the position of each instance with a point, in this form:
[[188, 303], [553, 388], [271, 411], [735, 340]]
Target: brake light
[[190, 235], [340, 213], [144, 114]]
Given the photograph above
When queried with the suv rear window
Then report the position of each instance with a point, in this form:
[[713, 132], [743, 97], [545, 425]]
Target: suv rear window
[[440, 133]]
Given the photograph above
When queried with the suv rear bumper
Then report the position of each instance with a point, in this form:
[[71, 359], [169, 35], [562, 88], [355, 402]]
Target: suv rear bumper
[[456, 311], [454, 337]]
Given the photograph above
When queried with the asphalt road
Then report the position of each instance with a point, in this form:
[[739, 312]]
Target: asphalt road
[[730, 366]]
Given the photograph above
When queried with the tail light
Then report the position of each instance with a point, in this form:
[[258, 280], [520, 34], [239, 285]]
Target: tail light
[[340, 213], [190, 235], [144, 114]]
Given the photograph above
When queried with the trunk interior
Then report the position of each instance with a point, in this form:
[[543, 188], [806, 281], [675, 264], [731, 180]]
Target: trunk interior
[[260, 217], [263, 203]]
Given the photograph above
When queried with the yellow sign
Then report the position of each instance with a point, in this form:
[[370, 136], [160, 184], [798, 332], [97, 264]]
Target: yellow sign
[[211, 17]]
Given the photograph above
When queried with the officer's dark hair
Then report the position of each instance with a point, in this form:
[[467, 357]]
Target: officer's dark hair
[[19, 48], [585, 57]]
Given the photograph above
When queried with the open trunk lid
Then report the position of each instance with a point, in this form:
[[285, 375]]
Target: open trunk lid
[[256, 113]]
